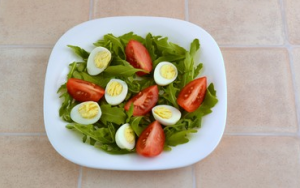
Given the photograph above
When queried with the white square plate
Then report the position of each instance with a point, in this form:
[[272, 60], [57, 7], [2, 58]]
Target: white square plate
[[69, 144]]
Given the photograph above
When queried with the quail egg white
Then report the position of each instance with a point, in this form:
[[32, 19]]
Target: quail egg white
[[86, 113], [166, 114], [165, 73], [98, 60], [115, 91], [125, 137]]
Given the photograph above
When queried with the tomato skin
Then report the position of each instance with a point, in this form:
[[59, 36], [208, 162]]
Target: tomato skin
[[192, 95], [83, 91], [138, 56], [144, 101], [151, 141]]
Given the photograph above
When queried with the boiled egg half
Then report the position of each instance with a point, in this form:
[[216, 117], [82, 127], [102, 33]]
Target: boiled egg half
[[115, 91], [165, 73], [166, 114], [86, 113], [98, 60], [125, 137]]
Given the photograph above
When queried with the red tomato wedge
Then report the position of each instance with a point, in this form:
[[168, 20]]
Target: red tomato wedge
[[151, 141], [144, 101], [83, 91], [192, 95], [138, 56]]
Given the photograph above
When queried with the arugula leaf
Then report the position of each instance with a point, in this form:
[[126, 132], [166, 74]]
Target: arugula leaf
[[118, 61], [117, 46], [136, 125], [77, 75], [101, 79], [70, 126], [129, 113], [195, 46], [197, 70], [131, 36], [170, 58], [114, 149], [80, 52], [179, 137], [165, 47], [67, 104], [188, 69], [133, 85], [170, 93], [104, 43], [166, 147], [121, 70], [112, 114], [103, 135], [150, 47], [72, 67], [81, 66], [92, 141]]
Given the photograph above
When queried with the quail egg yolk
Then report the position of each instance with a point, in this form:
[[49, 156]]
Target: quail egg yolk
[[102, 59], [167, 71], [163, 112], [114, 88], [88, 110], [129, 134]]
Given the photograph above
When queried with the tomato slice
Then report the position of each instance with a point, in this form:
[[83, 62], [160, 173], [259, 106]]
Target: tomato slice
[[138, 56], [144, 101], [151, 141], [192, 95], [83, 91]]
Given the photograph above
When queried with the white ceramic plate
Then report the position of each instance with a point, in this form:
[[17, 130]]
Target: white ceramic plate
[[69, 144]]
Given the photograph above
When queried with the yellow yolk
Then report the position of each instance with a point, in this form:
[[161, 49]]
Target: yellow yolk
[[114, 88], [88, 110], [129, 134], [163, 112], [102, 59], [168, 71]]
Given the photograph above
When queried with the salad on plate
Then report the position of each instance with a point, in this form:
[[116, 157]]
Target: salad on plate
[[134, 94]]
